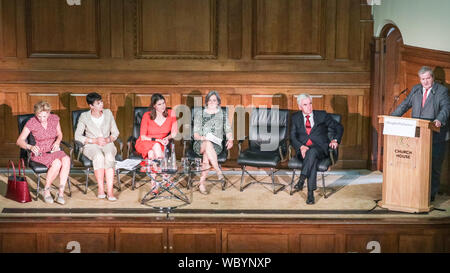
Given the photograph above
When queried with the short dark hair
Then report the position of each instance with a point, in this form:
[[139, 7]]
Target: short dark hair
[[92, 97]]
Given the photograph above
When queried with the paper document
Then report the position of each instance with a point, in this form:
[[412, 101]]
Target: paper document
[[213, 139], [127, 164], [399, 127]]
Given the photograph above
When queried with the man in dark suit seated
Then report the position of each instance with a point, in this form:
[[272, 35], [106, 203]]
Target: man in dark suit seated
[[430, 100], [309, 136]]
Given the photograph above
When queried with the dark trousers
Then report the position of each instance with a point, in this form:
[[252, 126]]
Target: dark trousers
[[437, 158], [309, 169]]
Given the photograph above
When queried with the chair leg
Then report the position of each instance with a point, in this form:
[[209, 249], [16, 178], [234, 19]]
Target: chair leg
[[118, 179], [38, 183], [189, 182], [224, 182], [133, 180], [87, 180], [323, 186], [273, 180], [292, 182], [242, 177], [68, 184]]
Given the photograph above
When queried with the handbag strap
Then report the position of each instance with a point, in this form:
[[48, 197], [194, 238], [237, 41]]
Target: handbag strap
[[14, 169], [23, 166]]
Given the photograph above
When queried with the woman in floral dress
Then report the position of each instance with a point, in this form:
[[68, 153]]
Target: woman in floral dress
[[46, 130]]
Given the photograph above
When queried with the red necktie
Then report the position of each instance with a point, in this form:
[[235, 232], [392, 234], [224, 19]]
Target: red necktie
[[425, 97], [308, 130]]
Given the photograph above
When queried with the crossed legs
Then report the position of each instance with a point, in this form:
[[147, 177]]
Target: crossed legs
[[209, 157]]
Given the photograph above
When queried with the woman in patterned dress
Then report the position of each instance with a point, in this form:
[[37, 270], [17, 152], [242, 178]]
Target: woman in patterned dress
[[210, 120], [46, 130]]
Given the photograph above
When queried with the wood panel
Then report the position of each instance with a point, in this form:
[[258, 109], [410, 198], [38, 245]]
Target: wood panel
[[289, 29], [81, 242], [196, 240], [318, 243], [19, 243], [415, 243], [74, 29], [141, 240], [167, 29], [231, 235], [372, 243], [255, 241]]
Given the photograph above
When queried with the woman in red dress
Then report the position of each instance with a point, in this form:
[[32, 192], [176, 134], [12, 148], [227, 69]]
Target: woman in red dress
[[46, 130], [158, 126]]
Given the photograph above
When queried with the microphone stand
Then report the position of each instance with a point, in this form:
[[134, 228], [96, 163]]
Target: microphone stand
[[396, 98]]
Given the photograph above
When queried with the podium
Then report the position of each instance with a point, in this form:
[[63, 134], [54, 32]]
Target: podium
[[407, 168]]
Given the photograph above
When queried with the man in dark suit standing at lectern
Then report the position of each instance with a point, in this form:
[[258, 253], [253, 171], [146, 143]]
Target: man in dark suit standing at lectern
[[430, 100], [309, 136]]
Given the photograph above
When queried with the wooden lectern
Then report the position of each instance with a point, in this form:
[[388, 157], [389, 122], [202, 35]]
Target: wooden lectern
[[407, 169]]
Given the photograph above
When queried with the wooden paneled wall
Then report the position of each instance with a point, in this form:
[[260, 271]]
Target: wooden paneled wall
[[216, 236], [254, 52]]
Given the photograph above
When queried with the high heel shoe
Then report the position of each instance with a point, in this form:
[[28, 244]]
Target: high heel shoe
[[60, 199]]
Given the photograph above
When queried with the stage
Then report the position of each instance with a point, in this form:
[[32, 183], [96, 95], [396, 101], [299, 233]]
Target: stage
[[255, 220]]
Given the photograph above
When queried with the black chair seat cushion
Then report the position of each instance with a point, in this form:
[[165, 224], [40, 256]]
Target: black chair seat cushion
[[295, 163], [259, 159], [38, 167], [221, 158]]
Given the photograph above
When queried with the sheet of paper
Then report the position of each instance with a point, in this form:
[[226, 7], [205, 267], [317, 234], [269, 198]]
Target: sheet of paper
[[399, 127], [213, 139], [127, 164]]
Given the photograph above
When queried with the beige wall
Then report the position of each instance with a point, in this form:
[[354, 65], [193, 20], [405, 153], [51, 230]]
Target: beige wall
[[422, 23]]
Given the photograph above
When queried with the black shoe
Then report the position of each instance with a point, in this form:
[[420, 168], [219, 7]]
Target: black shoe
[[310, 199], [300, 183]]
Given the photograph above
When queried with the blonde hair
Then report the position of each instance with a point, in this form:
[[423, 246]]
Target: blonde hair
[[42, 106]]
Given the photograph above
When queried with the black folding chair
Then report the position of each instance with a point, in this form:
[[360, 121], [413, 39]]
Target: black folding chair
[[260, 153]]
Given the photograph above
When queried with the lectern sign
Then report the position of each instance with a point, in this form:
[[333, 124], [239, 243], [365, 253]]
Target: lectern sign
[[399, 127]]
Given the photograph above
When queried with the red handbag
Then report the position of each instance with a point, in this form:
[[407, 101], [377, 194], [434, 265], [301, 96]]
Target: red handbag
[[17, 185]]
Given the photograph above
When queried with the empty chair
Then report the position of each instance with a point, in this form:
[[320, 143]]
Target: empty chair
[[267, 143]]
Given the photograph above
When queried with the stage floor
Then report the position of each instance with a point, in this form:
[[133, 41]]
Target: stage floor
[[351, 194]]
